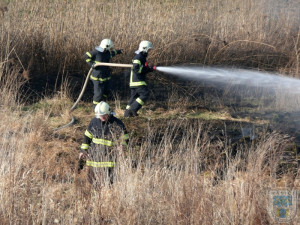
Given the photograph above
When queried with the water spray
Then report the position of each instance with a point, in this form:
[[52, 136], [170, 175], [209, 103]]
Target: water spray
[[234, 76], [218, 75]]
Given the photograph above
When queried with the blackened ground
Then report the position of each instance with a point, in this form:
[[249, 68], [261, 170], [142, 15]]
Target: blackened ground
[[166, 90]]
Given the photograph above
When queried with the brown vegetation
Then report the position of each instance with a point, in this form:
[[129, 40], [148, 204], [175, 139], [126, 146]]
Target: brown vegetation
[[53, 37], [177, 170]]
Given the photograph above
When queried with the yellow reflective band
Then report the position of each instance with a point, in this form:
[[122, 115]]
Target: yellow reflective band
[[88, 60], [111, 53], [140, 64], [84, 146], [94, 78], [102, 142], [126, 136], [88, 134], [100, 79], [140, 83], [135, 84], [137, 61], [100, 164], [140, 101], [105, 79], [95, 103], [89, 54], [127, 106]]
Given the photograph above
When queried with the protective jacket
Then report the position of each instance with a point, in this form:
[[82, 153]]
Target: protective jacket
[[101, 139], [101, 73], [139, 70]]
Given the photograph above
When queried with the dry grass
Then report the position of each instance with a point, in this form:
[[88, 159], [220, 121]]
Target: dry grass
[[174, 173], [53, 37]]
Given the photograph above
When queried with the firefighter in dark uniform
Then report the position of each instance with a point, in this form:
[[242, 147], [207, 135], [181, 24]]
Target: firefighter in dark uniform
[[101, 75], [138, 86], [104, 140]]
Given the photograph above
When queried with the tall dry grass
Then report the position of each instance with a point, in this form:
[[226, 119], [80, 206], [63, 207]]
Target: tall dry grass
[[175, 174], [180, 173], [52, 37]]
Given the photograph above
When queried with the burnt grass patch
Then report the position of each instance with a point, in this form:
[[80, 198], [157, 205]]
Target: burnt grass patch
[[232, 137], [249, 114]]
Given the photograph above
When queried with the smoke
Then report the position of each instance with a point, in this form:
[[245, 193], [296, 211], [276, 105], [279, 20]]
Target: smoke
[[235, 77]]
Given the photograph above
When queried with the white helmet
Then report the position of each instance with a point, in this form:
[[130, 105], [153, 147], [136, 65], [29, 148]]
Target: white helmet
[[105, 44], [102, 109], [144, 46]]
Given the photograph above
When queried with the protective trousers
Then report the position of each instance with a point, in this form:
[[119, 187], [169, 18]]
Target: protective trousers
[[139, 95], [99, 176], [101, 164], [101, 91]]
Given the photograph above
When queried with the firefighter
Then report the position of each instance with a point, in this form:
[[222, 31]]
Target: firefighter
[[103, 141], [101, 75], [138, 86]]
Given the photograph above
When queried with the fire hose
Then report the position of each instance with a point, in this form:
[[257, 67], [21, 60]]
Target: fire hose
[[84, 87]]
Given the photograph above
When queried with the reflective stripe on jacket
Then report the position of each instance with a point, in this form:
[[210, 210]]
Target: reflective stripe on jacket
[[100, 137], [95, 56], [138, 71], [100, 133]]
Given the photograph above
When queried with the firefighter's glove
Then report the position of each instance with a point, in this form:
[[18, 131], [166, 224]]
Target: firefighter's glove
[[82, 156], [120, 51], [152, 68], [93, 65], [80, 165]]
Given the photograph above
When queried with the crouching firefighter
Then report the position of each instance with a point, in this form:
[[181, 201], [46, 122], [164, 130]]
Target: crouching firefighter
[[138, 86], [104, 140], [101, 75]]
